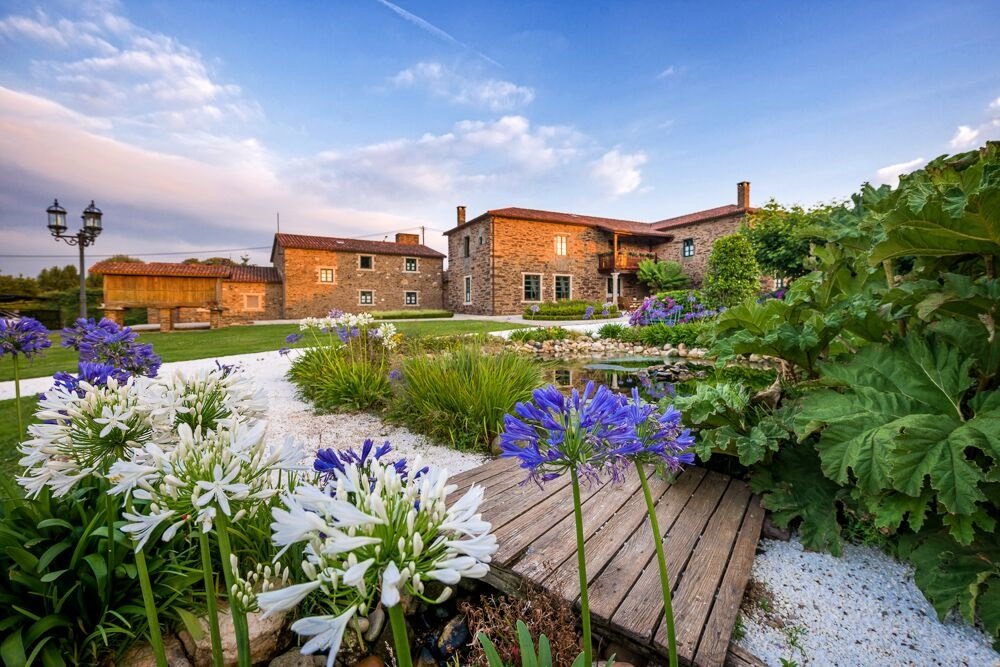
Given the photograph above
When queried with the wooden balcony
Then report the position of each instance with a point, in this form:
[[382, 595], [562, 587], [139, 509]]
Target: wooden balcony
[[622, 262]]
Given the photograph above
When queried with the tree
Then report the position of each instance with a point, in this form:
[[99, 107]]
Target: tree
[[662, 275], [124, 259], [59, 278], [18, 286], [781, 236], [733, 274], [211, 261]]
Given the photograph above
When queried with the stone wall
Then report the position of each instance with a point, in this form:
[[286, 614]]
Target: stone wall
[[234, 303], [477, 265], [306, 296], [704, 235]]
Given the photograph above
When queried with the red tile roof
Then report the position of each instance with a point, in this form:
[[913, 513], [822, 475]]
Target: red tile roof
[[607, 224], [244, 274], [727, 211], [351, 245]]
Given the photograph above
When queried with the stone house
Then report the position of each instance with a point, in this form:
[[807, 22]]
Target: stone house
[[504, 260], [320, 273], [310, 276]]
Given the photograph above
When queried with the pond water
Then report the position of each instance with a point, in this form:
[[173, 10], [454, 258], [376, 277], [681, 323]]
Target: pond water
[[654, 376]]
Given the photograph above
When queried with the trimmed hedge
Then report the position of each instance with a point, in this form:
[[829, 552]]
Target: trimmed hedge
[[539, 335], [411, 314], [573, 309]]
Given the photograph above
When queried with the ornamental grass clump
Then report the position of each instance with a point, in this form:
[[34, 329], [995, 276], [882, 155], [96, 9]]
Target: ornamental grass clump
[[21, 337], [593, 434], [374, 535], [347, 361]]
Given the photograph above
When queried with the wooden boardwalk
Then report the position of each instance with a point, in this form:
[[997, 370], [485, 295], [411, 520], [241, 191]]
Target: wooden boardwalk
[[712, 524]]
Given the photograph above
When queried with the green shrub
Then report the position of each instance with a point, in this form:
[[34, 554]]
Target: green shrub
[[732, 275], [461, 396], [620, 332], [575, 309], [410, 314], [333, 380], [539, 335], [60, 606], [658, 335], [662, 275]]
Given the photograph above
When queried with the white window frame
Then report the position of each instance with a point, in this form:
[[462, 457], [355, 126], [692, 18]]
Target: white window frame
[[684, 247], [467, 286], [333, 275], [361, 268], [541, 287], [416, 265], [416, 295], [561, 243], [361, 301], [260, 302], [555, 289]]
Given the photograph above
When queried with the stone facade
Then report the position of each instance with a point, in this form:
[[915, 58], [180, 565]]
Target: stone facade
[[476, 266], [314, 282], [244, 302], [703, 235]]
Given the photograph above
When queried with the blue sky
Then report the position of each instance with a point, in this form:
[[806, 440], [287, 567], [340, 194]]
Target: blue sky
[[193, 123]]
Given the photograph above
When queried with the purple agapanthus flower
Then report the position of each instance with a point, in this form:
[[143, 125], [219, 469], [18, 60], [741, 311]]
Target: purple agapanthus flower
[[330, 461], [106, 342], [661, 436], [335, 313], [96, 374], [534, 308], [24, 336], [587, 432], [588, 313], [395, 375], [293, 337]]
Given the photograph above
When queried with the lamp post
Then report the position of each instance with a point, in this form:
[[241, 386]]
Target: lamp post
[[83, 238]]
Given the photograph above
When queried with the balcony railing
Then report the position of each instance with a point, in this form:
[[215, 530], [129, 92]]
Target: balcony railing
[[625, 262]]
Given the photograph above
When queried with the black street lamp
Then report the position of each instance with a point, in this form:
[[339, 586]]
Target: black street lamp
[[83, 238]]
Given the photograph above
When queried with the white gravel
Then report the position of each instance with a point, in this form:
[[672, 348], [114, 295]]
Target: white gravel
[[860, 609], [288, 415]]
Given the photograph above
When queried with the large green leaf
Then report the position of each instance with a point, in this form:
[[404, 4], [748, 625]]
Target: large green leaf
[[896, 420]]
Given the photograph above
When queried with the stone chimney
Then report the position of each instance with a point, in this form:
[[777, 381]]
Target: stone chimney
[[743, 194], [408, 239], [460, 211]]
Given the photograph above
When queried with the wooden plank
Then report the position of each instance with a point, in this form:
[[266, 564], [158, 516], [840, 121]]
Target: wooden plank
[[680, 515], [480, 474], [515, 536], [715, 637], [559, 543], [502, 508], [603, 546], [495, 486], [640, 611], [698, 584], [737, 656]]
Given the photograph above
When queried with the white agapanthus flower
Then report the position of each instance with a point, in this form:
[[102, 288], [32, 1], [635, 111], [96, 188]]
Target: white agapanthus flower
[[373, 536], [83, 436], [207, 473], [212, 399]]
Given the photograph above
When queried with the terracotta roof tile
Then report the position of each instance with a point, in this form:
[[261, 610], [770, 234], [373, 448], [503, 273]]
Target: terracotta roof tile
[[352, 245], [607, 224], [702, 216], [243, 274], [254, 274]]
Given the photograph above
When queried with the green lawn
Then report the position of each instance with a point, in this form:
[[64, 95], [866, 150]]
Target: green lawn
[[203, 343]]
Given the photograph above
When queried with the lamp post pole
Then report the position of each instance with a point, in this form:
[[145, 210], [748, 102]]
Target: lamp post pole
[[85, 237]]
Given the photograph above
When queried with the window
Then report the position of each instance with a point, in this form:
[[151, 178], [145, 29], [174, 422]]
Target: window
[[779, 283], [326, 275], [252, 302], [410, 264], [532, 287], [366, 262], [468, 290], [366, 297], [410, 298], [480, 239], [561, 242], [564, 287], [687, 250], [465, 246]]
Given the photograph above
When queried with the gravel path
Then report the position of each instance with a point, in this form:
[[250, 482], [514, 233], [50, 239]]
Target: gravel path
[[860, 609]]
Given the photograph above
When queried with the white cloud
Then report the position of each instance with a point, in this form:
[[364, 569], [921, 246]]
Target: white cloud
[[891, 173], [492, 94], [995, 104], [965, 137], [619, 172], [669, 72]]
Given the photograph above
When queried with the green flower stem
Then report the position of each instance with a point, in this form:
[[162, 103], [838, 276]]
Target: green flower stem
[[155, 637], [399, 636], [239, 615], [17, 400], [581, 560], [662, 562], [210, 604], [111, 513]]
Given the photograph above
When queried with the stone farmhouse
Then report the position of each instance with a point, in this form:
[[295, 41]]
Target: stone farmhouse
[[506, 259], [310, 276]]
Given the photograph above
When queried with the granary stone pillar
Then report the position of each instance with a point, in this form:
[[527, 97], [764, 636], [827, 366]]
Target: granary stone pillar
[[166, 319], [215, 318], [116, 315]]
